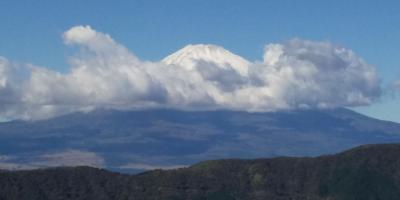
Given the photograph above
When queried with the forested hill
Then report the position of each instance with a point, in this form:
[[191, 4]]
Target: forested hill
[[366, 172]]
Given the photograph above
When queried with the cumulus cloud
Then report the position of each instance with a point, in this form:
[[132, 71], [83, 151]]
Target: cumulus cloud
[[306, 74], [11, 84], [105, 74]]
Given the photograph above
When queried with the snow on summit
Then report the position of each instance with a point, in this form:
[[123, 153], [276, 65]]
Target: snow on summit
[[189, 57]]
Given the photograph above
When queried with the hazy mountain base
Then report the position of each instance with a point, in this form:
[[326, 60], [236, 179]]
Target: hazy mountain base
[[133, 141], [364, 173]]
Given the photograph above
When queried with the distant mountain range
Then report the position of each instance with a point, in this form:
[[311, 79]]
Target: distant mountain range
[[134, 141], [368, 172]]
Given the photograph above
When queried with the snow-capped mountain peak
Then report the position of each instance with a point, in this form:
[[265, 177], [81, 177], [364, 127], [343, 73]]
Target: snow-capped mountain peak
[[190, 56]]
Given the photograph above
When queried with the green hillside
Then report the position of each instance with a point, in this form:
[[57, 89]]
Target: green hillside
[[366, 172]]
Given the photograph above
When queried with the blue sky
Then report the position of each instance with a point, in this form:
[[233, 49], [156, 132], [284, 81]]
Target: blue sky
[[31, 30]]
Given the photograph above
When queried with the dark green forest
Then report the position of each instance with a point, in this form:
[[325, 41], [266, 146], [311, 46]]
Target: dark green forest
[[365, 173]]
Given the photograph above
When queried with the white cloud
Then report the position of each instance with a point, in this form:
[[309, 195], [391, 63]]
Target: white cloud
[[315, 75], [105, 74], [11, 79], [3, 72]]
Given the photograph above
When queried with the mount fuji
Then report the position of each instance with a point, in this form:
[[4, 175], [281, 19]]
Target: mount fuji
[[137, 140], [133, 141]]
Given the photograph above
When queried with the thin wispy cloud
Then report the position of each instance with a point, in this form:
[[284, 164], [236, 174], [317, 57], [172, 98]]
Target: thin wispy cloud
[[142, 166], [68, 158], [105, 74]]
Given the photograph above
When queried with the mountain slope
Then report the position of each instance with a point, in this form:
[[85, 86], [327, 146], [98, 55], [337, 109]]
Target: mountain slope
[[142, 140], [367, 172]]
